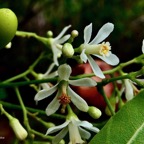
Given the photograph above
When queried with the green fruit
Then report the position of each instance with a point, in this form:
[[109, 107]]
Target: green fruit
[[8, 26]]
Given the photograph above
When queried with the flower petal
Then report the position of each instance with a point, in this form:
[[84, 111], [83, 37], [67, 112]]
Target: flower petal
[[64, 72], [84, 133], [56, 53], [83, 56], [44, 85], [128, 90], [51, 75], [143, 46], [84, 124], [103, 33], [45, 93], [63, 39], [88, 126], [49, 70], [62, 32], [87, 33], [112, 59], [97, 71], [74, 135], [53, 106], [60, 136], [57, 128], [77, 100], [83, 82]]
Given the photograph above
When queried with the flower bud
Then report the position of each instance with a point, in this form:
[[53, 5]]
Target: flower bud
[[68, 50], [18, 129], [74, 33], [62, 142], [48, 124], [49, 33], [94, 112], [40, 76], [8, 46], [120, 104]]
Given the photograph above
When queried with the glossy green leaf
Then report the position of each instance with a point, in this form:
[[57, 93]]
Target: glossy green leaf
[[126, 127]]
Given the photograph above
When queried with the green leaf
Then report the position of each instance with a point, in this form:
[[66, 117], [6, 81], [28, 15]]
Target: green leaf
[[126, 127]]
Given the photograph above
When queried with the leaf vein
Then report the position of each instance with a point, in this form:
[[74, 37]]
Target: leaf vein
[[135, 134]]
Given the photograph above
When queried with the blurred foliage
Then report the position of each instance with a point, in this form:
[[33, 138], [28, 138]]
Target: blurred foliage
[[42, 15]]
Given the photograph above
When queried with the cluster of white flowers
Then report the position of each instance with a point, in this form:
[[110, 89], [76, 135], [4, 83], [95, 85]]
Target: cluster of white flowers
[[94, 48], [64, 96], [64, 93]]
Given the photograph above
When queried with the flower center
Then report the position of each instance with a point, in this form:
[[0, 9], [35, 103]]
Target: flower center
[[105, 49], [64, 99], [99, 49]]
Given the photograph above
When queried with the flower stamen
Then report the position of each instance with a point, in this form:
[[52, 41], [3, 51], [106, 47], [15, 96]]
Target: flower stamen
[[64, 99], [105, 49]]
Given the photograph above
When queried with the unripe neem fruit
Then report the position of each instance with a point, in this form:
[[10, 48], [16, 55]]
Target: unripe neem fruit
[[8, 26]]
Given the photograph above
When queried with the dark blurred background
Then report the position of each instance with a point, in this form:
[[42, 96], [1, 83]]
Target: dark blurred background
[[42, 15]]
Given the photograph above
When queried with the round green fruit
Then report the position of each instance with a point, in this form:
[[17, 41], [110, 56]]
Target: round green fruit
[[8, 26]]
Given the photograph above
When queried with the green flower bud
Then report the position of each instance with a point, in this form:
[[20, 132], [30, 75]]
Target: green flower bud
[[18, 129], [8, 46], [68, 50], [48, 124], [94, 112], [49, 33], [40, 76], [107, 110], [74, 33], [62, 142], [120, 104]]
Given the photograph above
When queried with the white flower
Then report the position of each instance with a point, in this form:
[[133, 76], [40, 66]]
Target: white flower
[[56, 44], [143, 46], [76, 129], [64, 93], [94, 48], [130, 89], [47, 74]]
